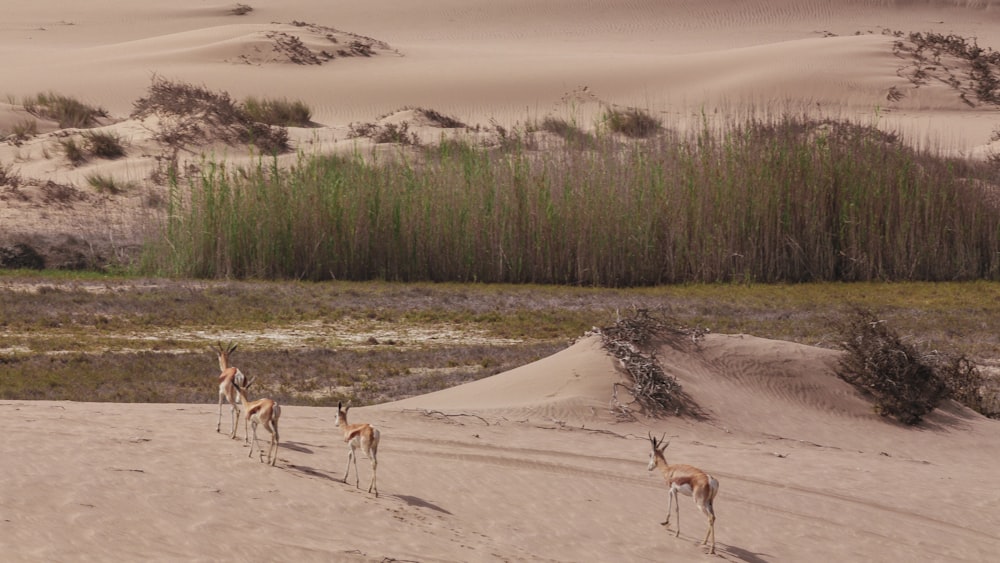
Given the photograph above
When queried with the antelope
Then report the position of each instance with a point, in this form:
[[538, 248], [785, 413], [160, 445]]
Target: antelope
[[364, 436], [230, 380], [265, 412], [689, 481]]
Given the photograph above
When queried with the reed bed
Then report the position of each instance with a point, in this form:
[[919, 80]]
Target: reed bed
[[783, 200]]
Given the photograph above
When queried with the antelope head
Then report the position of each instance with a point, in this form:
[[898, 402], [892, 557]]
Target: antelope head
[[223, 353], [657, 448]]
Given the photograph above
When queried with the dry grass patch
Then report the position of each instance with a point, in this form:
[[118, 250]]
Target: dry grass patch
[[194, 115], [68, 112], [285, 113]]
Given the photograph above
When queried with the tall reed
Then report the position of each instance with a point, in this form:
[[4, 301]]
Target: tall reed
[[787, 200]]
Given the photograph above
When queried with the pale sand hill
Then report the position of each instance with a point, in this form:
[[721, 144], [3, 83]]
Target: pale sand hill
[[527, 465]]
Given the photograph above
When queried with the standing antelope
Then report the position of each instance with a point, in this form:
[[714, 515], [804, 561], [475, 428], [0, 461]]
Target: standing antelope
[[687, 480], [261, 411], [364, 436], [230, 380]]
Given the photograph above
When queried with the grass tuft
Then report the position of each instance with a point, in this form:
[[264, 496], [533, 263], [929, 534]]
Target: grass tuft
[[69, 112], [103, 144], [278, 112]]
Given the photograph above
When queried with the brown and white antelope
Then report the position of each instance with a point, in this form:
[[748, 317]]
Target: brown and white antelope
[[687, 480], [364, 436], [265, 412], [230, 380]]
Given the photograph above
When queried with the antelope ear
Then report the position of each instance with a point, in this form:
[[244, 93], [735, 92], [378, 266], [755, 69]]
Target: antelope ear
[[232, 348]]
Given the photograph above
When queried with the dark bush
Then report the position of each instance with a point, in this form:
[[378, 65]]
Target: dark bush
[[21, 256], [878, 361], [632, 122]]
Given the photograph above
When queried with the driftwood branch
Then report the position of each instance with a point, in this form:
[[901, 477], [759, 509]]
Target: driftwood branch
[[428, 413]]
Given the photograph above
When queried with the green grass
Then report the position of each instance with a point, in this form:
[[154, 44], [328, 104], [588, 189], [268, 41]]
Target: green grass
[[80, 336], [107, 184]]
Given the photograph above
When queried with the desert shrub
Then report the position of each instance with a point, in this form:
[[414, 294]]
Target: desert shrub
[[104, 144], [8, 177], [197, 115], [388, 133], [439, 119], [568, 131], [74, 152], [632, 122], [278, 112], [879, 362], [241, 10], [21, 256], [69, 112]]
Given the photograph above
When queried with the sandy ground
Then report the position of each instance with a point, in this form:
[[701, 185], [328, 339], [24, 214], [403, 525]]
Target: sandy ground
[[528, 465]]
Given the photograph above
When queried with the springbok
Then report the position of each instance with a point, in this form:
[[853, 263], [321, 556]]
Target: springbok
[[364, 436], [230, 380], [265, 412], [687, 480]]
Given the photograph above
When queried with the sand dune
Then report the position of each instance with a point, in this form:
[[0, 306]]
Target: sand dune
[[529, 465], [524, 466]]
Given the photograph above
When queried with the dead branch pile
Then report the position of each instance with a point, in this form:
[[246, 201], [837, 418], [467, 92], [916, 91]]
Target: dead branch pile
[[633, 341]]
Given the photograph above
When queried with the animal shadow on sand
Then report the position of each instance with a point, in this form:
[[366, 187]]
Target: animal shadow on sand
[[313, 472], [733, 553], [421, 503], [297, 446]]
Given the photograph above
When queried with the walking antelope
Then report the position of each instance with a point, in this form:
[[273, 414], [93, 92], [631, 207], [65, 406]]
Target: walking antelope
[[687, 480], [230, 380], [364, 436], [265, 412]]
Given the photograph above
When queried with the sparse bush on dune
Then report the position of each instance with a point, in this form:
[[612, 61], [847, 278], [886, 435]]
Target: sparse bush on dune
[[25, 130], [104, 144], [75, 152], [398, 133], [632, 122], [278, 112], [904, 382], [68, 112], [571, 133], [195, 115]]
